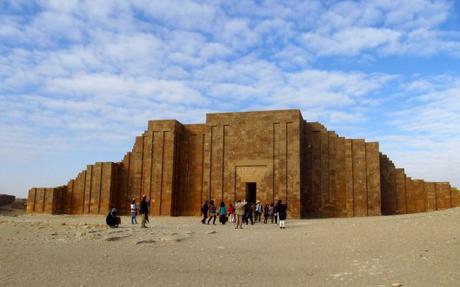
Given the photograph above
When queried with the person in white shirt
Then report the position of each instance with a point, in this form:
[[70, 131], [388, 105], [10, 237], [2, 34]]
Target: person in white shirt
[[133, 207]]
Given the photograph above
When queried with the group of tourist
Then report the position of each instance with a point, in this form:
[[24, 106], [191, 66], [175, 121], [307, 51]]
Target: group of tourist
[[113, 220], [244, 212]]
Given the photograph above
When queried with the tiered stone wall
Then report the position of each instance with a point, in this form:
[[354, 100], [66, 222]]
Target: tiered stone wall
[[46, 200], [317, 172], [148, 169], [402, 194], [91, 192], [342, 176]]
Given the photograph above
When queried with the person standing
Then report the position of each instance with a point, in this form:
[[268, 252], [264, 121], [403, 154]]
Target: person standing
[[275, 212], [222, 213], [271, 212], [239, 211], [266, 213], [212, 212], [204, 211], [258, 212], [133, 208], [144, 211], [282, 213], [231, 213]]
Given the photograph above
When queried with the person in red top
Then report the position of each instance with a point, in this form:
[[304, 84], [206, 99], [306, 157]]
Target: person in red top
[[231, 213]]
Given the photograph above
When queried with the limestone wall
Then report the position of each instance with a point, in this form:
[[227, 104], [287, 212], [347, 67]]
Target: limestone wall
[[258, 147], [91, 192], [342, 176], [46, 200], [317, 172], [402, 194]]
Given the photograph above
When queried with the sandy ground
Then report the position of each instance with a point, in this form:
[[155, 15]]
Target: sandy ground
[[408, 250]]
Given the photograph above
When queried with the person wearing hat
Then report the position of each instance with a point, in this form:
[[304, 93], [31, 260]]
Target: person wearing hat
[[144, 210]]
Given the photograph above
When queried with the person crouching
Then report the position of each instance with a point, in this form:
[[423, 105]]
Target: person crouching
[[113, 220]]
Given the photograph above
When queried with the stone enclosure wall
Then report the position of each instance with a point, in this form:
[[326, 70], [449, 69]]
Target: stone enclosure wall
[[271, 155]]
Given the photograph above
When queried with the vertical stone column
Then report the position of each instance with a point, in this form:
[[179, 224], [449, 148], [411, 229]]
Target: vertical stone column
[[123, 199], [400, 180], [359, 178], [341, 180], [137, 164], [442, 195], [420, 195], [324, 172], [147, 164], [332, 169], [96, 188], [350, 197], [68, 197], [373, 179], [316, 186], [430, 196], [49, 194], [108, 189], [31, 200], [88, 191], [410, 196]]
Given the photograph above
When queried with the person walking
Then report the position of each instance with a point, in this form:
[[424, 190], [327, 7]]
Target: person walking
[[271, 212], [282, 213], [144, 211], [212, 212], [222, 213], [204, 211], [239, 211], [133, 207]]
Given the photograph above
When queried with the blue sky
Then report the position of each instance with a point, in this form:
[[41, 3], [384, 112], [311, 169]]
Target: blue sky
[[80, 79]]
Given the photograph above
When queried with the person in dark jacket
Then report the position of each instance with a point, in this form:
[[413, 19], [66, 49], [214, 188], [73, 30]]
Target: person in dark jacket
[[144, 210], [204, 211], [212, 212], [282, 213], [112, 219]]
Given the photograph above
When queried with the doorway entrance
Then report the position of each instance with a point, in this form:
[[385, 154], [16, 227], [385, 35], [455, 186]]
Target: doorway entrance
[[251, 191]]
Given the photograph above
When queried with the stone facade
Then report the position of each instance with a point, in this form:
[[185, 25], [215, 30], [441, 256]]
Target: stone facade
[[267, 156]]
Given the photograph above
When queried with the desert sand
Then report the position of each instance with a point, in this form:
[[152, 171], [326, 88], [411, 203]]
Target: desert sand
[[63, 250]]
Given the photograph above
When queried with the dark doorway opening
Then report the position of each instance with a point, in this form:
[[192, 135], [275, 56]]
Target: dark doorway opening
[[251, 190]]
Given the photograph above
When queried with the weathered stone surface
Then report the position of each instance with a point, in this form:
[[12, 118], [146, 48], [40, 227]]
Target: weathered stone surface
[[266, 156]]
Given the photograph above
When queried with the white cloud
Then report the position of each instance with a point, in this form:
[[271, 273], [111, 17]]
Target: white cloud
[[84, 74]]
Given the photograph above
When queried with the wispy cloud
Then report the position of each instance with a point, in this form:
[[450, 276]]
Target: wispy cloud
[[85, 74]]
